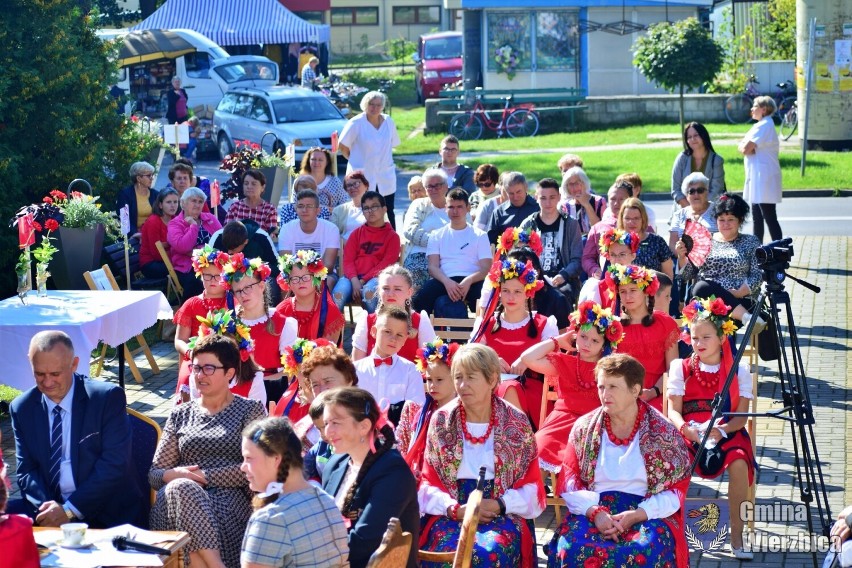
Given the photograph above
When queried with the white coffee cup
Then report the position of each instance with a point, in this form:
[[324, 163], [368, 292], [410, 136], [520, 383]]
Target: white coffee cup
[[74, 533]]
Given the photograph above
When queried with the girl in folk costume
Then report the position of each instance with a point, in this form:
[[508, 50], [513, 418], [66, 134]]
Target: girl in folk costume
[[649, 335], [270, 331], [617, 247], [248, 381], [434, 361], [594, 333], [512, 328], [480, 429], [693, 383], [303, 274], [396, 287], [207, 264], [296, 400]]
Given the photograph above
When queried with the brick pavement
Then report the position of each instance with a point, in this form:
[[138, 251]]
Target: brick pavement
[[823, 322]]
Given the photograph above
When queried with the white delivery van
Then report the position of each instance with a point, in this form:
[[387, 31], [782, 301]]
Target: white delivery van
[[206, 74]]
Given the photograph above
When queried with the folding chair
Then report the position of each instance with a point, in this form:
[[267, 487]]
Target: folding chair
[[394, 549], [174, 285], [453, 329], [549, 395], [146, 435], [102, 279]]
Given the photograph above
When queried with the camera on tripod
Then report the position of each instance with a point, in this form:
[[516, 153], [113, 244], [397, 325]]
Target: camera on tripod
[[776, 253]]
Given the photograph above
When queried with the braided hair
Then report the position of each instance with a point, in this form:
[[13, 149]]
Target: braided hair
[[361, 405], [648, 320], [270, 325], [274, 436]]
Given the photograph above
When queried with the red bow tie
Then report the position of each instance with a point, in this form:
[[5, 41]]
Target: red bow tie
[[386, 361]]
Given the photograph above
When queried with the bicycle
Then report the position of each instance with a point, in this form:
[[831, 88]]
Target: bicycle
[[738, 107], [790, 122], [516, 121]]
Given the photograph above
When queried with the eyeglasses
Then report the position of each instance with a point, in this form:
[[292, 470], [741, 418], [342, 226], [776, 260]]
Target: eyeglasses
[[369, 210], [293, 280], [449, 149], [620, 256], [353, 185], [305, 207], [147, 175], [210, 277], [245, 291], [205, 370], [436, 185], [694, 190], [485, 184]]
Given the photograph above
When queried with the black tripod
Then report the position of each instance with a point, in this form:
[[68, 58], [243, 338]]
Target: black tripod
[[774, 260]]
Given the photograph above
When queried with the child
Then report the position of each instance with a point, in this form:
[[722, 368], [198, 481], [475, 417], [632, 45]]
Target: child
[[617, 247], [663, 297], [385, 374], [693, 384], [318, 455]]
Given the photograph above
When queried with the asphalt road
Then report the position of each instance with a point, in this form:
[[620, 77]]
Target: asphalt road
[[799, 216]]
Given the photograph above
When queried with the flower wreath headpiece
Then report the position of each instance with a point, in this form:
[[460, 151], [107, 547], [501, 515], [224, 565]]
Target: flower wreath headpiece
[[208, 256], [514, 237], [615, 236], [239, 266], [436, 350], [711, 309], [225, 322], [506, 269], [304, 259], [590, 314], [294, 354], [645, 280]]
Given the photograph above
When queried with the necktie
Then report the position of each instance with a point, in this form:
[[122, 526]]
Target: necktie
[[386, 361], [55, 451]]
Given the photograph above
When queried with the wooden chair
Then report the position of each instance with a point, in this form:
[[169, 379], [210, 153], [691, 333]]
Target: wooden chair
[[549, 395], [174, 285], [102, 279], [146, 436], [395, 548], [114, 256], [453, 329], [462, 557]]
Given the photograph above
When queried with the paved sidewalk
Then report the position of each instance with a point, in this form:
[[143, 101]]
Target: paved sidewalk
[[823, 323]]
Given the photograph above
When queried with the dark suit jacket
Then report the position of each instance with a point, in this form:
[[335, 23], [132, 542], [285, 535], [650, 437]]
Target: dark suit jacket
[[464, 178], [127, 196], [106, 490], [387, 490]]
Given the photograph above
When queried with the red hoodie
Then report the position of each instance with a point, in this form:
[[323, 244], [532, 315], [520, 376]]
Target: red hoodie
[[370, 250]]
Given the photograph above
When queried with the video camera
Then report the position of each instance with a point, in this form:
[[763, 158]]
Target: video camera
[[774, 260]]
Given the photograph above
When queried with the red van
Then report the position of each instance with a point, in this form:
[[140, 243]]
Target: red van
[[439, 63]]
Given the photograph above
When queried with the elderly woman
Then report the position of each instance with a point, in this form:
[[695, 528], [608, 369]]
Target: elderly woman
[[730, 270], [287, 212], [698, 156], [424, 217], [367, 141], [348, 216], [653, 252], [480, 429], [625, 475], [177, 103], [252, 207], [189, 230], [196, 468], [139, 196], [696, 186], [762, 169], [578, 200], [416, 189], [318, 163], [367, 477], [485, 178]]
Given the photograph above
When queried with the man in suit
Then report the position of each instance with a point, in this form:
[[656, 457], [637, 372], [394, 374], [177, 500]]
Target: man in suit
[[73, 443]]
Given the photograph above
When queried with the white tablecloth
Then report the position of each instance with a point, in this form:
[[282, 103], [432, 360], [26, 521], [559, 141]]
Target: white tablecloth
[[86, 316]]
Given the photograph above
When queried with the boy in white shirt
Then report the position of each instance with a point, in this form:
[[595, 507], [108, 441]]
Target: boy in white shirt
[[309, 232], [385, 374]]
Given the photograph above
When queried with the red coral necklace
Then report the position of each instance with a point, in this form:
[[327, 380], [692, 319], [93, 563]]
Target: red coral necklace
[[583, 383], [705, 379], [491, 422], [620, 441]]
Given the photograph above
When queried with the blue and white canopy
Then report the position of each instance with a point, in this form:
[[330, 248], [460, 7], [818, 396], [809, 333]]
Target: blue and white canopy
[[242, 22]]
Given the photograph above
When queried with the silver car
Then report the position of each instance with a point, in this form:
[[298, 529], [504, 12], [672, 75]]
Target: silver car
[[294, 115]]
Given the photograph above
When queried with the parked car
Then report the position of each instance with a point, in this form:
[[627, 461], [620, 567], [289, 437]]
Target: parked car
[[438, 62], [295, 115]]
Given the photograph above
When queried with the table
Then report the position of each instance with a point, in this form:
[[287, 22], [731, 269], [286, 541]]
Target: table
[[173, 541], [86, 316]]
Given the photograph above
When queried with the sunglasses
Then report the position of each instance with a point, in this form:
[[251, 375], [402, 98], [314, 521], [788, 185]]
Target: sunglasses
[[485, 184], [696, 190]]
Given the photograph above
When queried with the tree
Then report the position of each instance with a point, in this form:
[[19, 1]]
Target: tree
[[57, 120], [778, 32], [678, 56]]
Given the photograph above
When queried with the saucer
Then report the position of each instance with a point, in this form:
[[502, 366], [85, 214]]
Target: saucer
[[84, 544]]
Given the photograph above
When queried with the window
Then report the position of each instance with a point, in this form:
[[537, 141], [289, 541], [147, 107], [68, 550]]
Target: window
[[354, 16], [416, 15], [538, 40], [260, 110], [243, 105], [227, 103], [197, 65], [306, 109], [312, 17]]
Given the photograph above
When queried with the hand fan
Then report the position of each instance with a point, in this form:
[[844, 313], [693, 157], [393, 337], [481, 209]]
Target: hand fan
[[698, 241]]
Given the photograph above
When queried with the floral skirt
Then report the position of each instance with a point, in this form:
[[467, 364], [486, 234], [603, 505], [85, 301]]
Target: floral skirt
[[498, 543], [578, 542]]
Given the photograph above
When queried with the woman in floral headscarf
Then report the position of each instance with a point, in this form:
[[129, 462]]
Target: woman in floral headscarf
[[303, 274], [207, 264], [594, 333], [693, 383], [511, 327], [271, 332], [649, 335]]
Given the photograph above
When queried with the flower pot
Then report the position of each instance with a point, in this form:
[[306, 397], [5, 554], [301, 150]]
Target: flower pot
[[41, 279], [276, 180], [79, 251]]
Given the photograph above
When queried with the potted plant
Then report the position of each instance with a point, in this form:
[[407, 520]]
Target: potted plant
[[277, 168]]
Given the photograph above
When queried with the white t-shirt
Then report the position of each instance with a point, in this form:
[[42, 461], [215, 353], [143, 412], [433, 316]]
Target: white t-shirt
[[460, 251], [292, 238], [371, 150], [431, 223]]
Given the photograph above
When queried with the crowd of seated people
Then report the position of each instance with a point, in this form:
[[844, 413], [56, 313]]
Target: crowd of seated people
[[402, 425]]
